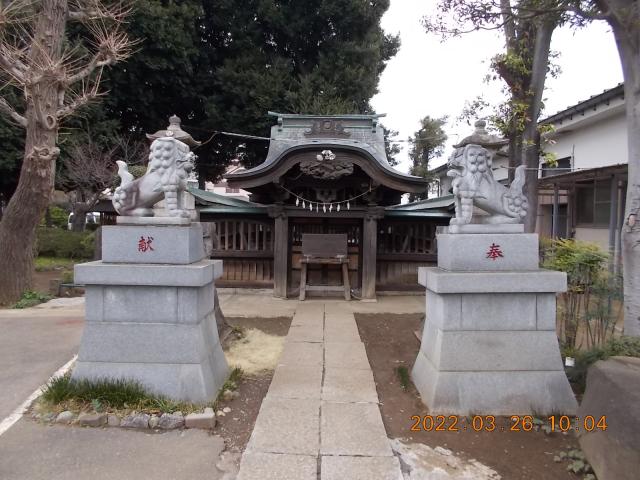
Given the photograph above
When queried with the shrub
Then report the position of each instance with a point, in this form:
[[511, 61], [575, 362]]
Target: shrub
[[55, 242], [624, 346], [31, 298], [58, 217], [589, 305]]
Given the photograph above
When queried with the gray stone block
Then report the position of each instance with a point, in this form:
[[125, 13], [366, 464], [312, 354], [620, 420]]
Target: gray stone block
[[155, 221], [442, 281], [492, 393], [143, 343], [360, 468], [353, 429], [144, 304], [492, 350], [470, 252], [274, 466], [136, 420], [613, 392], [65, 417], [92, 419], [498, 311], [170, 421], [193, 275], [485, 228], [287, 426], [179, 245], [444, 310], [205, 421], [546, 311]]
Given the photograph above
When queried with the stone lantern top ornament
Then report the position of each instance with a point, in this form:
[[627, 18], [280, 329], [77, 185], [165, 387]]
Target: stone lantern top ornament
[[174, 130], [482, 137]]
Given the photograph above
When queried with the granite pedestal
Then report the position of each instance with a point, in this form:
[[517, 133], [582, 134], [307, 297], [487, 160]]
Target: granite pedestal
[[489, 344], [150, 311]]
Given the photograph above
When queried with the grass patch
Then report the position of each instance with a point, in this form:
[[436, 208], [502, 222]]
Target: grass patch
[[31, 298], [46, 264], [108, 395], [403, 376]]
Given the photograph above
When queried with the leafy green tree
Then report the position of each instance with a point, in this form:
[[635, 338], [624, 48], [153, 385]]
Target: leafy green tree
[[425, 145], [391, 146], [527, 26], [222, 64]]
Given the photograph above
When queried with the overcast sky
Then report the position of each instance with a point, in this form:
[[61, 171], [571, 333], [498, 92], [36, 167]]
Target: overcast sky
[[428, 77]]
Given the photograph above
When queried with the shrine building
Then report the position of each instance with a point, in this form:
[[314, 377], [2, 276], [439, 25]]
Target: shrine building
[[323, 175]]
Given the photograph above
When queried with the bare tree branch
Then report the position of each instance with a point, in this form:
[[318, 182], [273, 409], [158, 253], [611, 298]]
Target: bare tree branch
[[10, 63], [12, 113], [89, 10]]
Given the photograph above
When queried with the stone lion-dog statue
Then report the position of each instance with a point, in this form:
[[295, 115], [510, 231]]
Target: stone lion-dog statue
[[473, 184], [170, 162]]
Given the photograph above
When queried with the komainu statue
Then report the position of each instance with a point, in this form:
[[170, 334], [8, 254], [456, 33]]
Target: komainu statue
[[170, 162], [473, 184]]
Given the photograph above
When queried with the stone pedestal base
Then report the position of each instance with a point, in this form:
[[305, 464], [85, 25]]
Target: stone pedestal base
[[153, 322], [489, 344]]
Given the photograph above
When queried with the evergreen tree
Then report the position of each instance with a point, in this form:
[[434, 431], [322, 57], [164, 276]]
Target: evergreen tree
[[425, 145]]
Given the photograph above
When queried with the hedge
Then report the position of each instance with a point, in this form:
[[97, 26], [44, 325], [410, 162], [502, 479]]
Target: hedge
[[57, 242]]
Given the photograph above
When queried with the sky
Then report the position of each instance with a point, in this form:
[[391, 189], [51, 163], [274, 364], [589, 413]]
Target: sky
[[430, 77]]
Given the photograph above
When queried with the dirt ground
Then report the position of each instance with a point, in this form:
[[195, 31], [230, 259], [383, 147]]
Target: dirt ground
[[391, 342], [41, 279], [236, 426]]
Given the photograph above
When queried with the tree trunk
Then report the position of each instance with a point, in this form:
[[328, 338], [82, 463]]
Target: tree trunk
[[531, 136], [31, 198], [79, 219], [629, 50]]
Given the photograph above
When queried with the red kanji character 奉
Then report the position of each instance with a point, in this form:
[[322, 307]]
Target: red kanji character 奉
[[494, 252]]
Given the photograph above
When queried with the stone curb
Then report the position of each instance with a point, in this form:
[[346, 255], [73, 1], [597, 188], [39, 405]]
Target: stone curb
[[137, 421]]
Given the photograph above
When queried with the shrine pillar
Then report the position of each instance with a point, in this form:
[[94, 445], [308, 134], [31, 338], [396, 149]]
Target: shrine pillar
[[280, 251], [370, 251]]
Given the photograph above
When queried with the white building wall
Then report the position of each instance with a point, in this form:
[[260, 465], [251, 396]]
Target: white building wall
[[599, 140], [599, 236]]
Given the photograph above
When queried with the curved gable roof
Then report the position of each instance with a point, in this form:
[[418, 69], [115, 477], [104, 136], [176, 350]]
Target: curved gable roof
[[358, 134]]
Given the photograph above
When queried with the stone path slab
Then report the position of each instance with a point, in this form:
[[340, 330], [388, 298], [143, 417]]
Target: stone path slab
[[312, 332], [360, 468], [349, 385], [273, 466], [346, 355], [353, 429], [286, 425], [320, 419], [301, 354], [291, 381]]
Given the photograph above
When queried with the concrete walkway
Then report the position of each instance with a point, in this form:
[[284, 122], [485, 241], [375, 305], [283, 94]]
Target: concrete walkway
[[320, 419]]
